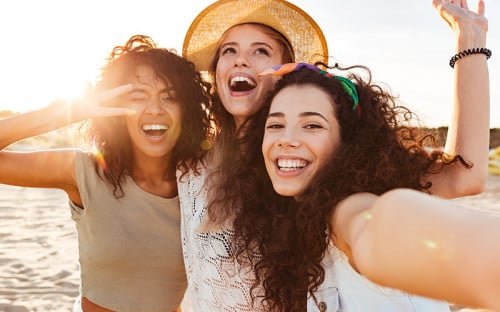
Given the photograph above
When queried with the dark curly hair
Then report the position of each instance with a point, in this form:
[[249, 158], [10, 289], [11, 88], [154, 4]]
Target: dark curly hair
[[110, 135], [284, 239]]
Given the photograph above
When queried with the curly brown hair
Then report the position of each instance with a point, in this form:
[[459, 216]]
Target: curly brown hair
[[110, 135], [379, 151]]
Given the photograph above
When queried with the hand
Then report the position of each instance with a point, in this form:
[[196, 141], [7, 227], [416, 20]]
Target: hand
[[457, 14], [96, 105]]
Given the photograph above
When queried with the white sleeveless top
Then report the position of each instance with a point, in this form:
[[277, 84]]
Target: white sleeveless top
[[215, 282]]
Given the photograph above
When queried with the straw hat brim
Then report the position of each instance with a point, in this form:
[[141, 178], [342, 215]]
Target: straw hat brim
[[303, 33]]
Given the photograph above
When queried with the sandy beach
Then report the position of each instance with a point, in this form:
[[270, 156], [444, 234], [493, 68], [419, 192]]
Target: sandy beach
[[39, 255]]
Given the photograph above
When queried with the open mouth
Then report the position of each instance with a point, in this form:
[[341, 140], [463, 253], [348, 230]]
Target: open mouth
[[154, 129], [242, 84], [291, 164]]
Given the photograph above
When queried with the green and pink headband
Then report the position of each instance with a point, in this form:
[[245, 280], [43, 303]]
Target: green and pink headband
[[348, 86]]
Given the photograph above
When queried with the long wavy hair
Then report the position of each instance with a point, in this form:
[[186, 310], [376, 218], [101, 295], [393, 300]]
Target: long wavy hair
[[109, 135], [284, 240], [226, 149]]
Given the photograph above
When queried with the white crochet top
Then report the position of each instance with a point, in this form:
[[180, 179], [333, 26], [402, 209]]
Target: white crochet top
[[214, 280], [215, 283]]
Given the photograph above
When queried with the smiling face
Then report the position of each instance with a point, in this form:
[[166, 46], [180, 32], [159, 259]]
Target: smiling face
[[156, 126], [301, 134], [245, 51]]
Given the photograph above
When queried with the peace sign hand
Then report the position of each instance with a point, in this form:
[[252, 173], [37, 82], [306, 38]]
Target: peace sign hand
[[93, 105], [101, 104]]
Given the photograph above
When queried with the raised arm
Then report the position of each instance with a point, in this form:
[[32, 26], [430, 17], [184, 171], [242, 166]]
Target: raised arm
[[423, 245], [468, 131], [48, 168]]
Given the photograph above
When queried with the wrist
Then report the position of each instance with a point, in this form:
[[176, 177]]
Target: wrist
[[468, 52], [470, 36], [60, 112]]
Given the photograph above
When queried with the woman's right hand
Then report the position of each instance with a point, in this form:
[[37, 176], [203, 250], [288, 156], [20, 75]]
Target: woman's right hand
[[52, 168], [93, 105]]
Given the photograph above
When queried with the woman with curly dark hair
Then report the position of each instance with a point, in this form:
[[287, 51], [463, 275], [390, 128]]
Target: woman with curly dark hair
[[235, 40], [342, 182], [147, 120]]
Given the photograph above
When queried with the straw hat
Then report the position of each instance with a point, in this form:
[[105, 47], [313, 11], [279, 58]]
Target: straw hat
[[305, 36]]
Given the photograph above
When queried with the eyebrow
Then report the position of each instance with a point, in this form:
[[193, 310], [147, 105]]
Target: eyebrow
[[258, 43], [137, 89], [303, 114]]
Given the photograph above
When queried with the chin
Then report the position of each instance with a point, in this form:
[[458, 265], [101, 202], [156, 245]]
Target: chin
[[286, 191]]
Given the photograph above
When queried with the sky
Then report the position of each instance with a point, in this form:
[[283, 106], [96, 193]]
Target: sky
[[52, 48]]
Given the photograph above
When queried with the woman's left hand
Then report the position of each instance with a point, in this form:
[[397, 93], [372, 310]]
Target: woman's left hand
[[457, 14]]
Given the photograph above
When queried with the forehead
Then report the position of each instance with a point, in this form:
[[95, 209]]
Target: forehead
[[145, 75], [248, 32], [304, 98]]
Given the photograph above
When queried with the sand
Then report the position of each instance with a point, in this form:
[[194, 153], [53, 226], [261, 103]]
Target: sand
[[39, 255]]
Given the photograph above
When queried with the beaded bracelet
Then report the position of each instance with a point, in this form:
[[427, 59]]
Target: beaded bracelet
[[464, 53]]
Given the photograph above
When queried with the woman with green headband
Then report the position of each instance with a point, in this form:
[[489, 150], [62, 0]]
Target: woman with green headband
[[342, 193]]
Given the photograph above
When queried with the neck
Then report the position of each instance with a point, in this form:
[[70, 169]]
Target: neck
[[155, 175], [239, 126]]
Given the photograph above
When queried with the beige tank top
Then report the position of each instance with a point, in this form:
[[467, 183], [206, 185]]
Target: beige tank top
[[130, 248]]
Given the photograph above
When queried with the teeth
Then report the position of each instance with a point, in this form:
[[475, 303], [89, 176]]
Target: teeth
[[154, 127], [291, 164], [236, 79]]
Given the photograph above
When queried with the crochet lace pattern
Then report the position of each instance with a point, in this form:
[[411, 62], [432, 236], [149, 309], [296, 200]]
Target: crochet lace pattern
[[215, 282]]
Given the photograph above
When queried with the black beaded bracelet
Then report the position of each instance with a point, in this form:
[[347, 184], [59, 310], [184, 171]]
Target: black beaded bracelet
[[464, 53]]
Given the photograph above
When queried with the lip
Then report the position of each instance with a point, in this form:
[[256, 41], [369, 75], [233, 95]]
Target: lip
[[241, 93]]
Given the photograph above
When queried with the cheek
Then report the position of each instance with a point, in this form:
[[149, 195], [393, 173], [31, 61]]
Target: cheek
[[327, 151], [218, 81], [131, 127], [130, 122], [323, 149], [220, 69], [266, 145], [176, 114]]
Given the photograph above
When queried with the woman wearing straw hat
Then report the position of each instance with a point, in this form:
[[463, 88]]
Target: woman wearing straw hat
[[233, 41]]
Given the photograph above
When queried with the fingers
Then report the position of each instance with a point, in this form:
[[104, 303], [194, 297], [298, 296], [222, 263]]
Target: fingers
[[113, 93], [480, 8], [91, 105], [437, 4], [112, 111], [463, 4]]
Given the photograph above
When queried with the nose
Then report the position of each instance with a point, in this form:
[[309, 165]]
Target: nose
[[154, 107], [241, 61], [287, 140]]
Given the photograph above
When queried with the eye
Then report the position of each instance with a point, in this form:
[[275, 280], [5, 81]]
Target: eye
[[167, 98], [228, 50], [313, 126], [262, 51], [274, 125]]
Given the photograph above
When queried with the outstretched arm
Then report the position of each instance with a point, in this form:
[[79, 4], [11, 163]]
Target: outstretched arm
[[423, 245], [49, 168], [468, 131]]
